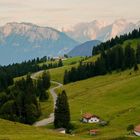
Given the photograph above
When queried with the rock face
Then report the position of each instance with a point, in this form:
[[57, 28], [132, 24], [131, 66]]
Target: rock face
[[84, 49], [22, 41], [100, 30]]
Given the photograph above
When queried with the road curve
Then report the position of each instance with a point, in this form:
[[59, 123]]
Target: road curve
[[50, 119]]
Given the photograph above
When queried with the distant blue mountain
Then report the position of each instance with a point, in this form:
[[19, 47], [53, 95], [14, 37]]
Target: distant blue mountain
[[84, 49], [23, 41]]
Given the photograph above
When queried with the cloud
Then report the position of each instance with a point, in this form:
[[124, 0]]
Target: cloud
[[53, 9], [12, 4]]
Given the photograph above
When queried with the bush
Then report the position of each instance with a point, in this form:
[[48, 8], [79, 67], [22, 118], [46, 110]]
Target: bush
[[130, 127]]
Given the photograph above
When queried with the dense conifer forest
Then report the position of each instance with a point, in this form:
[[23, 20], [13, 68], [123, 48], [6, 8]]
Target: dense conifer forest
[[115, 41], [111, 58], [7, 73]]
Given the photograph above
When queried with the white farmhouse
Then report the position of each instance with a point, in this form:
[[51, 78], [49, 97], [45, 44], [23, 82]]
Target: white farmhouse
[[137, 130], [90, 118]]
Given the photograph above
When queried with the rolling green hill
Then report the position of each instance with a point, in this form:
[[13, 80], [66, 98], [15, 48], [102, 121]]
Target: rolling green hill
[[114, 97], [16, 131]]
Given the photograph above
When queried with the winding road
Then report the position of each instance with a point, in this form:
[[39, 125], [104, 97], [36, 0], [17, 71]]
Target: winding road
[[50, 119]]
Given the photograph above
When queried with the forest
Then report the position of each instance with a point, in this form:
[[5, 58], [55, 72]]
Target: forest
[[111, 59], [115, 41], [7, 73], [21, 101]]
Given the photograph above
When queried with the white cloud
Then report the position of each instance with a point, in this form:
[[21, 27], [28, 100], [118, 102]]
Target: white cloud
[[59, 13]]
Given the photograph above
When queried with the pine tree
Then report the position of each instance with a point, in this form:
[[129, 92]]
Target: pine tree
[[66, 77], [62, 112], [46, 80], [138, 54], [136, 68], [130, 58], [60, 63]]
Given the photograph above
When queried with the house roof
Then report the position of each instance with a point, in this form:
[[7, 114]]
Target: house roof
[[94, 131], [89, 115], [137, 128]]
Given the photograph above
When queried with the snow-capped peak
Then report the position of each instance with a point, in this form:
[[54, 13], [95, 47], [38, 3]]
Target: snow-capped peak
[[100, 30]]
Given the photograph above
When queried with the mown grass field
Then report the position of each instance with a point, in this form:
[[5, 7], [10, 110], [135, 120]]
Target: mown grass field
[[16, 131], [57, 74], [113, 97], [67, 61]]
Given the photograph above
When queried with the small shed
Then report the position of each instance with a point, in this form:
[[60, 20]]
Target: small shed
[[61, 130], [137, 130], [93, 132], [90, 118]]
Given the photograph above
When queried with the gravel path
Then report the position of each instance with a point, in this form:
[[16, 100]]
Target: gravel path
[[54, 95]]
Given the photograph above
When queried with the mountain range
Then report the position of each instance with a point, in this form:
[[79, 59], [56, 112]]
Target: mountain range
[[100, 30], [84, 49], [23, 41]]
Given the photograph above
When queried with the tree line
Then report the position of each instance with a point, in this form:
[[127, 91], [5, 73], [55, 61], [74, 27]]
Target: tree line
[[116, 58], [115, 41], [7, 73], [20, 102]]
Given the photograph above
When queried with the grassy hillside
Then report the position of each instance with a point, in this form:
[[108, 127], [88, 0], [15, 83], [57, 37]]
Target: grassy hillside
[[67, 61], [133, 42], [16, 131], [114, 98]]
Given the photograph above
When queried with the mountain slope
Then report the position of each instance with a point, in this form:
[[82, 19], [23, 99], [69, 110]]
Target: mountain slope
[[100, 30], [16, 131], [84, 49], [113, 97], [22, 41]]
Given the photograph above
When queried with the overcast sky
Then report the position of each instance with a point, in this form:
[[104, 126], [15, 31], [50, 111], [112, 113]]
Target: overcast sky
[[63, 13]]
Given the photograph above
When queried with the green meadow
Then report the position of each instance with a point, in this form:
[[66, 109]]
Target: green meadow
[[113, 97]]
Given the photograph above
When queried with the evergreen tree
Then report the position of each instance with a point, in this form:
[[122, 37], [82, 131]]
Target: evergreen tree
[[62, 112], [136, 68], [66, 77], [138, 54], [46, 80], [130, 58], [60, 63]]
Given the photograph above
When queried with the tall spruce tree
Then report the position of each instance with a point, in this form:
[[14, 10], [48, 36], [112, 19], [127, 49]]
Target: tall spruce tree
[[130, 58], [60, 63], [46, 79], [62, 112], [66, 77]]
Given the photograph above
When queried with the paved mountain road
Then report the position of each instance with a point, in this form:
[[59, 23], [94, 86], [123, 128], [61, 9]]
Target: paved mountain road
[[54, 95]]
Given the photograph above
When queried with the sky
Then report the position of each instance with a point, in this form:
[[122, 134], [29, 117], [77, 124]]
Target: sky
[[65, 13]]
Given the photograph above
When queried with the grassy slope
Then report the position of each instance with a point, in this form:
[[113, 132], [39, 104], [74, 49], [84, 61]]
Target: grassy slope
[[46, 108], [57, 74], [114, 98], [68, 61], [133, 42], [16, 131]]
